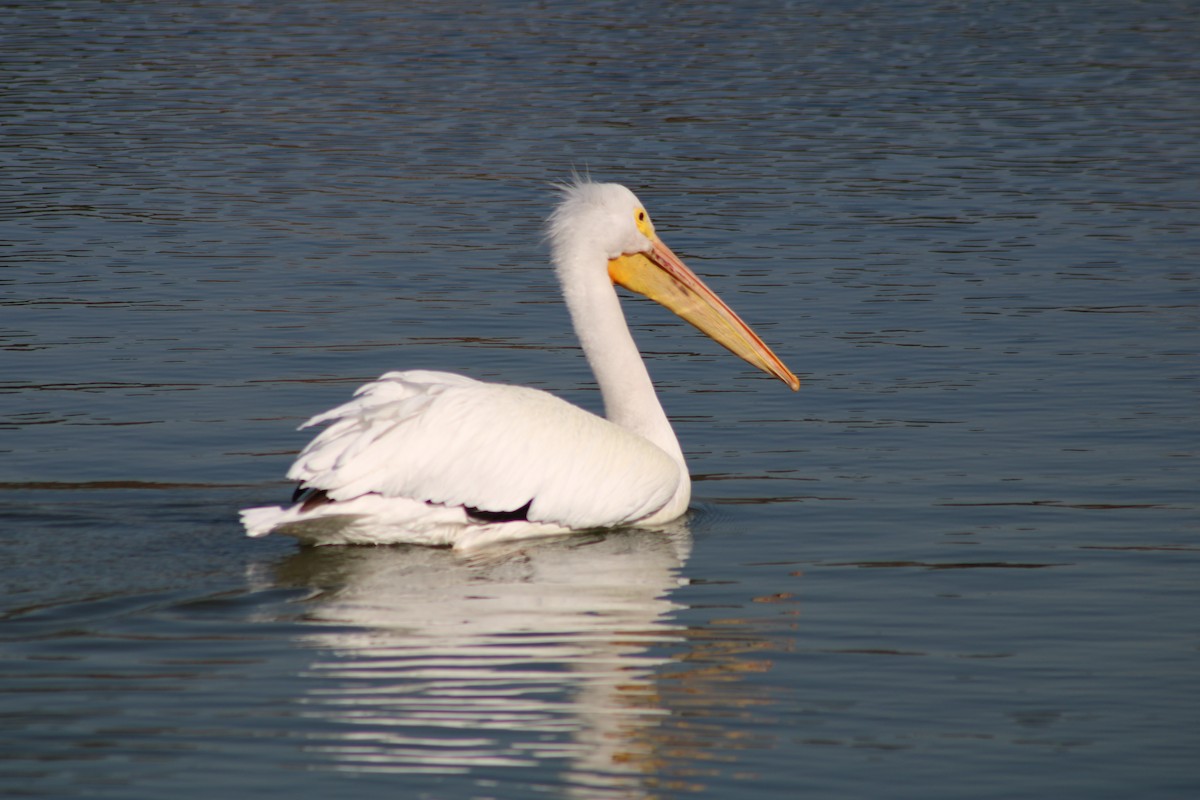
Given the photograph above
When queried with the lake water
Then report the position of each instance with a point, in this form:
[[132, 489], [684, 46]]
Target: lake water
[[963, 561]]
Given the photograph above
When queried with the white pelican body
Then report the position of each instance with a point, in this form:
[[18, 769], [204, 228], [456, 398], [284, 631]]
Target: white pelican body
[[434, 458]]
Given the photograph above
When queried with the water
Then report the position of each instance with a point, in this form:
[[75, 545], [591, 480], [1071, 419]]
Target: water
[[962, 561]]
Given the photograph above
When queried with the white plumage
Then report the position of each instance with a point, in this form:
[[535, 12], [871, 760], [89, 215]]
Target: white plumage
[[434, 458]]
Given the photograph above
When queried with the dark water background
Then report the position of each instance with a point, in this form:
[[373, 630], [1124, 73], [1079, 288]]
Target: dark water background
[[962, 561]]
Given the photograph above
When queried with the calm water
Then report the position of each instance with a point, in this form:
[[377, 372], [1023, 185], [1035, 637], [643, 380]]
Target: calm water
[[962, 561]]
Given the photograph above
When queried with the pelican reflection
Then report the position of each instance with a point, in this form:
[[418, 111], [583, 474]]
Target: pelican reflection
[[532, 654]]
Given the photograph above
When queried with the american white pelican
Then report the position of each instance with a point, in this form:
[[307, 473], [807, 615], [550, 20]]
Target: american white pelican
[[439, 459]]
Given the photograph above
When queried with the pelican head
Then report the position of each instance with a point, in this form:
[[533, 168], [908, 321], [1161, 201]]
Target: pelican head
[[599, 218], [605, 222]]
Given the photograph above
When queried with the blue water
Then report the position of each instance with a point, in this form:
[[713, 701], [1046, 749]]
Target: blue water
[[962, 561]]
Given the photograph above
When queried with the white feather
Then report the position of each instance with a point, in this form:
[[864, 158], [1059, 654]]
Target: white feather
[[453, 441]]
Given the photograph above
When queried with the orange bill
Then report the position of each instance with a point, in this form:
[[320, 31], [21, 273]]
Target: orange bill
[[661, 276]]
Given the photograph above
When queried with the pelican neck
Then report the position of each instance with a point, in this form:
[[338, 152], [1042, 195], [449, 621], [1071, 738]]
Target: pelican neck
[[625, 385]]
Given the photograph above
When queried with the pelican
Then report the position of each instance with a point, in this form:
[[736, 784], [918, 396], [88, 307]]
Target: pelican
[[433, 458]]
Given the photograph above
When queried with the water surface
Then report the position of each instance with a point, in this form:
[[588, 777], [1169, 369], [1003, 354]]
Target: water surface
[[962, 561]]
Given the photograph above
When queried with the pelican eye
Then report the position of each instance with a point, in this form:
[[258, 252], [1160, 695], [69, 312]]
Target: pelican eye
[[643, 223]]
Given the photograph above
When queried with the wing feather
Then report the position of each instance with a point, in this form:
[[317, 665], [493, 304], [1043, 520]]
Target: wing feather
[[443, 438]]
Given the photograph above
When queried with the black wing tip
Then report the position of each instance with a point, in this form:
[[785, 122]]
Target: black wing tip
[[309, 497], [483, 515]]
